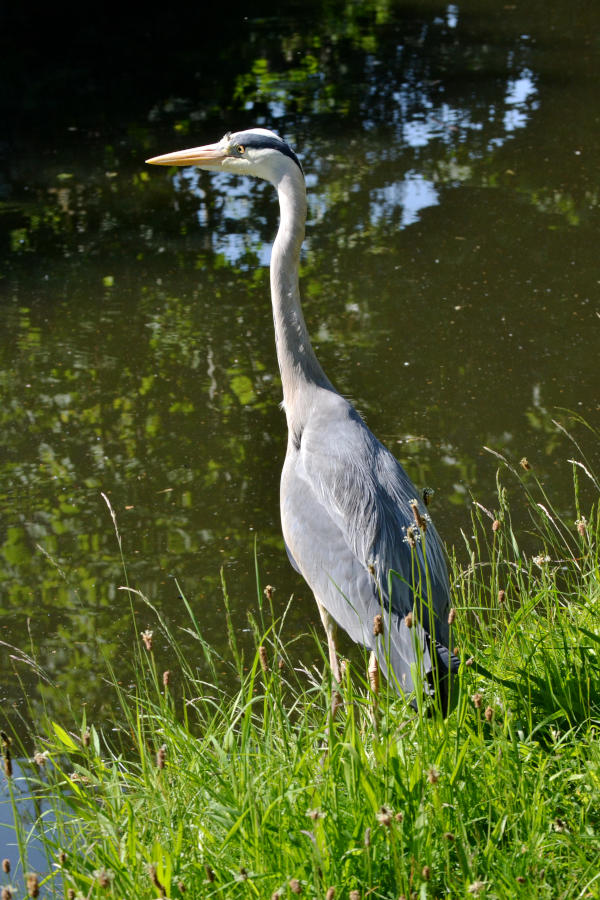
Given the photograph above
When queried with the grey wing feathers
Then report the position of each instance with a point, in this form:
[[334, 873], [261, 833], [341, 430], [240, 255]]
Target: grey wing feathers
[[291, 559], [345, 514]]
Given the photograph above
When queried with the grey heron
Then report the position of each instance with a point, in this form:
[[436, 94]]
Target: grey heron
[[352, 521]]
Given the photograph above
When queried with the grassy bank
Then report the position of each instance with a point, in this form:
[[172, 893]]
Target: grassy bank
[[197, 791]]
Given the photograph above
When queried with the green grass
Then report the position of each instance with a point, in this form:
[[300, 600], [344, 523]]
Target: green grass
[[201, 791]]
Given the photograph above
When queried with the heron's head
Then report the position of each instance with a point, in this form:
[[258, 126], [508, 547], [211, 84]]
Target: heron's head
[[255, 151]]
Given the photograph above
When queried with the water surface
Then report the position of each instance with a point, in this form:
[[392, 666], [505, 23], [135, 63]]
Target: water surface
[[450, 282]]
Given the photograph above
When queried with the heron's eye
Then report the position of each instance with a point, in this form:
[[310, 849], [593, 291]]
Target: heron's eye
[[240, 148]]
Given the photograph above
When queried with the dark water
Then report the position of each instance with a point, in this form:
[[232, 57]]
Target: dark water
[[450, 280]]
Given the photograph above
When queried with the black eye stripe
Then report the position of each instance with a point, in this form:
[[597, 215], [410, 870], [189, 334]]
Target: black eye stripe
[[262, 141]]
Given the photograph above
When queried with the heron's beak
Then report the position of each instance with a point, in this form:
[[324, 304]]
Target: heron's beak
[[212, 155]]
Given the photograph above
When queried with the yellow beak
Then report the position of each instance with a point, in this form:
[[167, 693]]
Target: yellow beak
[[207, 157]]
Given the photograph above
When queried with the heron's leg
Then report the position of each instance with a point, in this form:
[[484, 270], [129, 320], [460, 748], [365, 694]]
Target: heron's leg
[[330, 627]]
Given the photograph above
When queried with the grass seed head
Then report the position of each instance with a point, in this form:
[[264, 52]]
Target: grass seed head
[[426, 873], [330, 893], [476, 887], [166, 677], [501, 596], [6, 866], [71, 894], [477, 700], [489, 714], [269, 591], [8, 769], [451, 616], [433, 776], [496, 525], [156, 881], [147, 639], [420, 522], [541, 560], [384, 816], [427, 495], [354, 895], [33, 885], [367, 837], [6, 893], [581, 525], [525, 464], [103, 877], [377, 625], [39, 759], [181, 887], [264, 662], [295, 886], [161, 757], [86, 738], [449, 836], [210, 875], [410, 538], [373, 673], [315, 814], [408, 620]]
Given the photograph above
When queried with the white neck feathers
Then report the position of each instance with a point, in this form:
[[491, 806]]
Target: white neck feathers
[[298, 364]]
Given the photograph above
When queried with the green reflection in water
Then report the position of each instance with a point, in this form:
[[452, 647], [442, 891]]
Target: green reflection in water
[[450, 283]]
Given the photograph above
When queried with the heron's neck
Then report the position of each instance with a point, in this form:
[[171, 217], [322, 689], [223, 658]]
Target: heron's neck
[[299, 367]]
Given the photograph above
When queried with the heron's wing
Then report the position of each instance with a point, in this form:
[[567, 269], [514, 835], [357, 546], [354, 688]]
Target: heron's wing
[[345, 527], [366, 492], [291, 559], [341, 583]]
